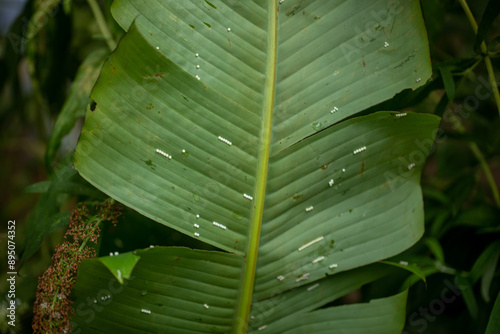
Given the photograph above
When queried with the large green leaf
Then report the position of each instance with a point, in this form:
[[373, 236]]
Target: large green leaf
[[74, 106], [161, 296], [222, 119]]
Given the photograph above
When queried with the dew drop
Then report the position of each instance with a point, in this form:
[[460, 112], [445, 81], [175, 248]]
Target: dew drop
[[185, 153], [196, 196], [144, 292]]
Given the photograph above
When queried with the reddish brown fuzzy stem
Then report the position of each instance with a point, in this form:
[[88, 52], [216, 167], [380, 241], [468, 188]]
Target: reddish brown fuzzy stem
[[52, 308]]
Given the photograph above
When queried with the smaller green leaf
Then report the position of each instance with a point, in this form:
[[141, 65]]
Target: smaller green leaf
[[38, 188], [48, 223], [46, 217], [467, 292], [385, 315], [293, 303], [411, 267], [485, 267], [494, 322], [491, 12], [478, 216], [121, 266], [69, 187], [438, 226], [449, 83], [435, 248], [488, 278], [488, 256], [413, 279], [78, 98], [435, 194]]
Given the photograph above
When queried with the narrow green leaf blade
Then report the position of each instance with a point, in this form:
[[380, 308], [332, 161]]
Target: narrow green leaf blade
[[411, 267], [488, 257], [435, 248], [379, 316], [449, 83], [77, 100], [494, 322], [285, 305], [466, 289], [491, 12]]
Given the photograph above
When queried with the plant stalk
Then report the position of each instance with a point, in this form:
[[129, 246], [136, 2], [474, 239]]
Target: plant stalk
[[491, 74], [484, 50], [101, 23], [84, 243], [250, 263], [480, 157]]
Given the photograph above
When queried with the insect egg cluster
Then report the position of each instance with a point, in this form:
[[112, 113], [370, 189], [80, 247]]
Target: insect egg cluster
[[163, 153], [225, 140], [361, 149]]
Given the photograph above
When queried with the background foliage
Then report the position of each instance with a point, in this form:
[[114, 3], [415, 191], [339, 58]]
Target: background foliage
[[44, 97]]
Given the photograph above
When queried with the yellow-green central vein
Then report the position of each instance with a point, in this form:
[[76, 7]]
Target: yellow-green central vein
[[248, 276]]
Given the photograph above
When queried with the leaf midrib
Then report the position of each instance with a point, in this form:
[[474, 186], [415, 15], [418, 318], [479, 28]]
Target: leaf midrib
[[248, 276]]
